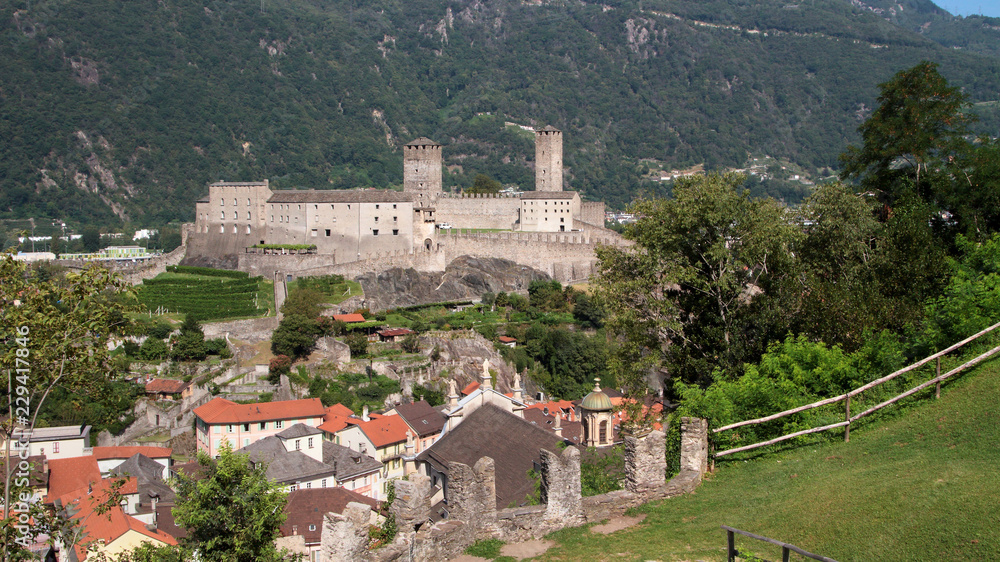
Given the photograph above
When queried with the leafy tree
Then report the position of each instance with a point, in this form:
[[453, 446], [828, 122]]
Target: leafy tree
[[358, 344], [587, 312], [170, 238], [917, 126], [304, 302], [410, 344], [687, 296], [295, 336], [279, 365], [160, 330], [55, 245], [190, 344], [232, 511], [153, 349], [61, 328], [91, 237], [484, 184]]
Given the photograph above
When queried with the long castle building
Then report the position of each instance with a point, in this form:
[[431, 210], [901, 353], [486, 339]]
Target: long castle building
[[350, 224]]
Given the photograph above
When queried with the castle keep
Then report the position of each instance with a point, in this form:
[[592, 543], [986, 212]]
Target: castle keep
[[354, 225]]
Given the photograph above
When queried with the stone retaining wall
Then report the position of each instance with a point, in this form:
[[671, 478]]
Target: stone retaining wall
[[472, 507]]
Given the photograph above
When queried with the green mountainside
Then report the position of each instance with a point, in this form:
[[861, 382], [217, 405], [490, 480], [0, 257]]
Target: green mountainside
[[123, 111]]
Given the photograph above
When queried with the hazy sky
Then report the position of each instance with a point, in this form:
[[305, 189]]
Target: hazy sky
[[967, 7]]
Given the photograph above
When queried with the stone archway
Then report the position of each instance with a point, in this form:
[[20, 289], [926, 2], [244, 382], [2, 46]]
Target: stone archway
[[428, 243]]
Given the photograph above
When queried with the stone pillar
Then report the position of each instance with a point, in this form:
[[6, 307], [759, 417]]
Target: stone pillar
[[345, 537], [412, 506], [561, 488], [645, 461], [694, 445], [472, 496]]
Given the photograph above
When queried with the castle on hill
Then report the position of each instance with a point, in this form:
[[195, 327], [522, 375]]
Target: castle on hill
[[353, 225]]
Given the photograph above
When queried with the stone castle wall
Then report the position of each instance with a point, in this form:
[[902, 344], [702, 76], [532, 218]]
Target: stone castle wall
[[311, 265], [565, 256], [478, 211], [592, 212]]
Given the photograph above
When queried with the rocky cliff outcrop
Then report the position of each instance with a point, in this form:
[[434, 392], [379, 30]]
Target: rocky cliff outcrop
[[464, 278]]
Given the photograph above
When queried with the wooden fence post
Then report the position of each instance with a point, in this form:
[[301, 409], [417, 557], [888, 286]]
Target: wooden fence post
[[937, 387], [785, 553], [847, 418], [731, 536]]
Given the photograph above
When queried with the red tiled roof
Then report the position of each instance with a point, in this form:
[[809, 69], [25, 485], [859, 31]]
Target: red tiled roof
[[473, 386], [67, 475], [507, 339], [104, 453], [220, 410], [349, 318], [385, 431], [333, 424], [108, 526], [338, 410], [167, 386]]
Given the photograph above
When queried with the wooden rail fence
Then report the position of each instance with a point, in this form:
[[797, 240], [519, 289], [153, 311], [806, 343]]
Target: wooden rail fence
[[846, 397], [786, 549]]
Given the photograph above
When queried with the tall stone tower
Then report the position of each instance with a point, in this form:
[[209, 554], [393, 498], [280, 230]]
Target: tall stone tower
[[548, 159], [422, 170]]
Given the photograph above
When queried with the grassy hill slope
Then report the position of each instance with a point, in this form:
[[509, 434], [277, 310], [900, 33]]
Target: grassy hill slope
[[918, 484]]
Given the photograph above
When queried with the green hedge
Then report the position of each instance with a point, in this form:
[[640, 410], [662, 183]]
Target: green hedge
[[285, 246]]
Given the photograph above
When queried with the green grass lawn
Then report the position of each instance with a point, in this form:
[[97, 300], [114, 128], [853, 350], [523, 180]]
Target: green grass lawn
[[918, 484]]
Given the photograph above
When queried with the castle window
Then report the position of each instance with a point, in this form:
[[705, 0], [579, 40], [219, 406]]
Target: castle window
[[328, 232], [395, 232], [223, 215], [315, 206], [280, 219], [394, 219], [236, 215], [248, 229], [222, 229], [314, 233], [222, 202], [376, 219], [234, 229], [376, 205], [393, 205], [248, 216], [375, 232], [248, 201], [234, 202], [300, 207]]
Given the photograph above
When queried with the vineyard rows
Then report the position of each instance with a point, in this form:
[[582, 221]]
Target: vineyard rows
[[209, 299]]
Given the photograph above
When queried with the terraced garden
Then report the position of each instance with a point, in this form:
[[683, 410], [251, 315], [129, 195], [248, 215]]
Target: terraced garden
[[211, 294]]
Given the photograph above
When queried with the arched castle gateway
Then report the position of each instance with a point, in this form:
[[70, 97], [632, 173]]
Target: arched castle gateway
[[549, 228]]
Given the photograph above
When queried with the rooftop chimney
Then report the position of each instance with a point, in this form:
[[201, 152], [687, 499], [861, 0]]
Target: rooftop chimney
[[364, 414]]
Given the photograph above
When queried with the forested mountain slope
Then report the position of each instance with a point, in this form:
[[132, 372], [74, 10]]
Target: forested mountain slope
[[114, 111]]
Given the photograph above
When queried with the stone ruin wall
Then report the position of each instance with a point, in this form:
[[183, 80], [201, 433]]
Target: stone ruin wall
[[472, 508], [478, 211]]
